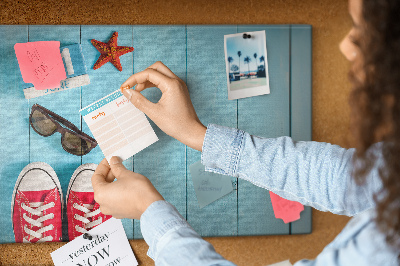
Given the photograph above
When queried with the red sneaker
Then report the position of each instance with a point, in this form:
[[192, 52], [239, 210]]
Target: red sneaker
[[36, 206], [82, 211]]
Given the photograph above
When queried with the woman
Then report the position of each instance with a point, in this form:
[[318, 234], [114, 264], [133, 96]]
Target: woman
[[360, 182]]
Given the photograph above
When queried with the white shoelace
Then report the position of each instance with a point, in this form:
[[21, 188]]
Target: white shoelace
[[86, 208], [37, 208]]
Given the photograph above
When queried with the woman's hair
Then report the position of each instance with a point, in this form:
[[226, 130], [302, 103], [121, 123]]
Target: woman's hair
[[375, 103]]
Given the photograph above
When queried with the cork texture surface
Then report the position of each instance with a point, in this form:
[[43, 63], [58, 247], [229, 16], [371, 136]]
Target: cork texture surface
[[330, 22]]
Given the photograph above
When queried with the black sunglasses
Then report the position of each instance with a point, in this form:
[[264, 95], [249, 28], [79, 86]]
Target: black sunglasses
[[46, 123]]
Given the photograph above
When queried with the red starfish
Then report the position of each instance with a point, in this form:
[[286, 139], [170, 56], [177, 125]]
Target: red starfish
[[110, 52]]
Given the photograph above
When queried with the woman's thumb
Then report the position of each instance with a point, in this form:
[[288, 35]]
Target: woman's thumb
[[138, 100], [117, 167]]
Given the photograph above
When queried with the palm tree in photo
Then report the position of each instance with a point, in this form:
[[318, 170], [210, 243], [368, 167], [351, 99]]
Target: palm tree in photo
[[230, 60], [262, 60], [239, 54], [255, 58], [247, 60]]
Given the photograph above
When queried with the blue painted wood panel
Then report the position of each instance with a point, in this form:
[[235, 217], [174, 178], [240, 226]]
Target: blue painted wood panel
[[14, 124], [63, 163], [195, 54], [104, 81], [164, 161], [206, 81], [265, 116], [301, 101]]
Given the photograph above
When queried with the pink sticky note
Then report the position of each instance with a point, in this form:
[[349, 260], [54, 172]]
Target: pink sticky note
[[284, 209], [41, 64]]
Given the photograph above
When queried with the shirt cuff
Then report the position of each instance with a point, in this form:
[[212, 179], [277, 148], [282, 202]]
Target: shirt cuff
[[221, 149], [158, 219]]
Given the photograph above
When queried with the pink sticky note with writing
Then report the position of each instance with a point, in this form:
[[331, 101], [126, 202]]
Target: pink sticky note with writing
[[41, 64], [284, 209]]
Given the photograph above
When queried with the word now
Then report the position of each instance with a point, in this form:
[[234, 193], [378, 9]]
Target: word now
[[98, 256]]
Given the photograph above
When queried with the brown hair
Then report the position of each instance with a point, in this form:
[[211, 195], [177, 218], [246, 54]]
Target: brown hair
[[375, 103]]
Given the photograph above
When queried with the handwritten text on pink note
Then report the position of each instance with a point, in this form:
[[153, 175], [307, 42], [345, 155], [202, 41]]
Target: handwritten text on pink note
[[41, 64], [284, 209]]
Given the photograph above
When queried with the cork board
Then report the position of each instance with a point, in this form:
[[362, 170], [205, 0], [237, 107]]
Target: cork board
[[330, 22], [193, 52]]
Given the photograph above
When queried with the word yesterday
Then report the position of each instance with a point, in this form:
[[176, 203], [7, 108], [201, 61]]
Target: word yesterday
[[109, 246], [89, 246]]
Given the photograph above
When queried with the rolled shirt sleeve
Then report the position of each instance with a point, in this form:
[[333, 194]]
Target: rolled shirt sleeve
[[313, 173]]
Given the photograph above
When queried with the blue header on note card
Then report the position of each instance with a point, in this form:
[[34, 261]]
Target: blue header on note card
[[100, 103]]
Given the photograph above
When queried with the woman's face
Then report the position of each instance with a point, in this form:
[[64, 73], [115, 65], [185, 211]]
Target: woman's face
[[352, 53], [347, 46]]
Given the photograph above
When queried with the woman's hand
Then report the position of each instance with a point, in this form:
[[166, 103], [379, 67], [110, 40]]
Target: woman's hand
[[127, 197], [173, 113]]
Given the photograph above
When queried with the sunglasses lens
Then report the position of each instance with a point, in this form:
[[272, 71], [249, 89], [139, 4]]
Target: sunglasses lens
[[75, 145], [42, 124]]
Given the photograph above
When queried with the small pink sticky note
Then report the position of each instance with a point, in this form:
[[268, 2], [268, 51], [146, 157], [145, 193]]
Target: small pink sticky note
[[284, 209], [41, 64]]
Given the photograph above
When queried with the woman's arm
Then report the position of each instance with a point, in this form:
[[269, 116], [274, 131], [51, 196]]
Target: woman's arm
[[312, 173], [172, 241], [315, 174], [125, 194]]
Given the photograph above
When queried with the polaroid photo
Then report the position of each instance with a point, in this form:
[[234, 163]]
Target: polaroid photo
[[246, 64]]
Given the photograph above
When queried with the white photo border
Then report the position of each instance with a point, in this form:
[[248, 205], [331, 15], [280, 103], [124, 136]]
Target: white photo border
[[247, 92]]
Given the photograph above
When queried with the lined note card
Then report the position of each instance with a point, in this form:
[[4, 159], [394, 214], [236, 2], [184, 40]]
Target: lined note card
[[118, 126]]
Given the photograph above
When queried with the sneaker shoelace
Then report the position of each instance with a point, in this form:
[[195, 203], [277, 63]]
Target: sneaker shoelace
[[86, 209], [37, 208]]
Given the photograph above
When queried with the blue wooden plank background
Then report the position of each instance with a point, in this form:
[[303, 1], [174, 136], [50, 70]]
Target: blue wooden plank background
[[301, 100], [164, 161], [265, 116], [103, 81], [196, 55], [206, 80], [14, 123], [64, 164]]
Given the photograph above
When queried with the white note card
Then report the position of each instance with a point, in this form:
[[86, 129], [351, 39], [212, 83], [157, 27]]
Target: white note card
[[108, 246], [209, 186], [118, 126]]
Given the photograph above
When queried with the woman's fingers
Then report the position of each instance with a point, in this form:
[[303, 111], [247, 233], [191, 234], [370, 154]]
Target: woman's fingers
[[160, 67], [159, 80], [142, 86], [110, 177], [99, 177], [141, 102], [174, 112], [118, 169]]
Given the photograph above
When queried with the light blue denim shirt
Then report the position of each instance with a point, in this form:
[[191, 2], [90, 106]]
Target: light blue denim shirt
[[312, 173]]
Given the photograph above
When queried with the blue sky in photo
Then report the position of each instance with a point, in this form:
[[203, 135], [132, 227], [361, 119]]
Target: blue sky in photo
[[248, 47]]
